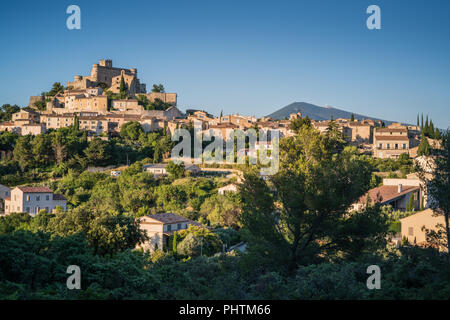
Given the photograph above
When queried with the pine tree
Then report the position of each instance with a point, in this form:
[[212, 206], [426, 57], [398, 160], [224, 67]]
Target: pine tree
[[352, 117], [418, 120], [421, 124]]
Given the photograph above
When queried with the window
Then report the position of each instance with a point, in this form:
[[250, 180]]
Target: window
[[179, 226], [380, 146], [38, 198], [410, 231], [28, 209], [396, 146], [387, 145], [47, 197], [169, 227], [404, 146], [28, 198]]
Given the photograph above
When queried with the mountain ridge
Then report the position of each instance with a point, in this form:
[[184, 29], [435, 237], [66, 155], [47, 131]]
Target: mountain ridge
[[318, 113]]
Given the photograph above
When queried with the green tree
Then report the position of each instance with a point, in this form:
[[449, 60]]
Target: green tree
[[123, 89], [42, 149], [221, 210], [195, 241], [158, 88], [56, 88], [352, 117], [424, 148], [174, 243], [40, 105], [315, 186], [297, 123], [131, 130], [439, 186], [7, 110], [23, 152], [175, 170], [98, 152]]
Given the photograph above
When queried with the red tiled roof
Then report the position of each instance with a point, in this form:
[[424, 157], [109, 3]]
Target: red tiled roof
[[391, 130], [36, 189], [392, 138], [386, 193]]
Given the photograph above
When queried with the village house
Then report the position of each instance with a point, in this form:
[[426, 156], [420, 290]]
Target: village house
[[130, 106], [390, 142], [159, 227], [361, 132], [160, 169], [412, 226], [170, 98], [33, 199], [396, 196], [24, 122], [4, 193], [233, 188]]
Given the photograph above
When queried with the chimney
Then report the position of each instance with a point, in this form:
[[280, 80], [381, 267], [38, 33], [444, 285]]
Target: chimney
[[400, 188]]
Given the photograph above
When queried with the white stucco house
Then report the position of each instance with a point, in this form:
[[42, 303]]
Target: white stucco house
[[33, 199]]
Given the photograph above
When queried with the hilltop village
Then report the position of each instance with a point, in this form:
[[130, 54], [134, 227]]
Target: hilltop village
[[110, 97], [87, 178]]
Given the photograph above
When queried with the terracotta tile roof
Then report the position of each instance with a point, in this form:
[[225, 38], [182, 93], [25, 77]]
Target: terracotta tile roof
[[391, 130], [168, 217], [223, 126], [391, 138], [35, 189], [386, 193]]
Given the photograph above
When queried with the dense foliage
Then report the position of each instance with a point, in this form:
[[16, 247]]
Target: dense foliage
[[301, 240]]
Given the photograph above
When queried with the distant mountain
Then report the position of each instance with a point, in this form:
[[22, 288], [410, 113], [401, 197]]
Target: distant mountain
[[318, 113]]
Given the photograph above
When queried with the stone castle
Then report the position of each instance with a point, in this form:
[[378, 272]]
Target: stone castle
[[104, 72]]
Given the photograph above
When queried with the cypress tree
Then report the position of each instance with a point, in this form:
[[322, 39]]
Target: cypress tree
[[122, 88], [174, 243], [424, 147]]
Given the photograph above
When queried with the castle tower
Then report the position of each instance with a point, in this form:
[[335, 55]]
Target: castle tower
[[94, 72]]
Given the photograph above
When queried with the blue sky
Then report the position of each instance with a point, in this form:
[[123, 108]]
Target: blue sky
[[250, 57]]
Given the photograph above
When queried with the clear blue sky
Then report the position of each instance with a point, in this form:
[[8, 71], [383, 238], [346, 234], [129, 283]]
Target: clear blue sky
[[250, 57]]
